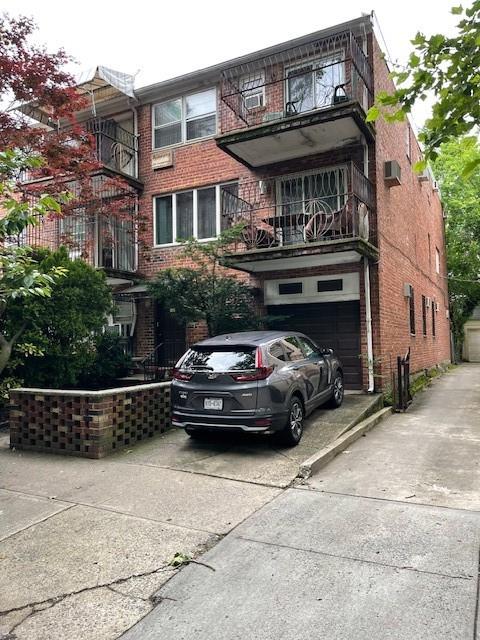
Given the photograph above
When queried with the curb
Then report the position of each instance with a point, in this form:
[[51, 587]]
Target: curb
[[323, 457]]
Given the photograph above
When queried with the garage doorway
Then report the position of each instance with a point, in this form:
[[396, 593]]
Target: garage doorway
[[330, 324]]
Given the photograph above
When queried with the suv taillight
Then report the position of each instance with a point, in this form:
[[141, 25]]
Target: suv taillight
[[259, 373], [178, 374]]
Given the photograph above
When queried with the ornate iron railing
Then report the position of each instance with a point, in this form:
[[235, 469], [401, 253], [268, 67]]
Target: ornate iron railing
[[115, 147], [316, 75], [327, 204]]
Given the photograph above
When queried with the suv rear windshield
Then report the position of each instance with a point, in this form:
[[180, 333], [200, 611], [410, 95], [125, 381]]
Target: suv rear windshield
[[220, 360]]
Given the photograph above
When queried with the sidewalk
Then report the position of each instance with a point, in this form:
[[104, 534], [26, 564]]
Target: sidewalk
[[383, 543], [84, 544]]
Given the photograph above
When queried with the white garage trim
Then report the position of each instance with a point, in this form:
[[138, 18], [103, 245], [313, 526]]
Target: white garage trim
[[308, 289]]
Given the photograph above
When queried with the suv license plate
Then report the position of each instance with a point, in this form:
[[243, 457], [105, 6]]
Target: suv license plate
[[213, 403]]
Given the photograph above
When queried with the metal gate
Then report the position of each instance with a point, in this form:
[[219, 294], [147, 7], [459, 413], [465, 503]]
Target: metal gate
[[401, 383]]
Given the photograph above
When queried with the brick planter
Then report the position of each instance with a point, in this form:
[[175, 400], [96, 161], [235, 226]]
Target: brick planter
[[91, 424]]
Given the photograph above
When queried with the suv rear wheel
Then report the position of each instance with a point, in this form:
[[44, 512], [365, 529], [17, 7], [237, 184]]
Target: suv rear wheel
[[291, 434]]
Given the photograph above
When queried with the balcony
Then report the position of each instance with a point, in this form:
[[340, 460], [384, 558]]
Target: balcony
[[92, 233], [301, 220], [302, 101], [116, 146]]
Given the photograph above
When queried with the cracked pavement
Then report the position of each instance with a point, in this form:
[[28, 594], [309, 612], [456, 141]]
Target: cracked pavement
[[381, 543], [85, 544]]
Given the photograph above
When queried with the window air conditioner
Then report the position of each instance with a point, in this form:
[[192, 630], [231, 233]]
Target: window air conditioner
[[428, 302], [392, 173]]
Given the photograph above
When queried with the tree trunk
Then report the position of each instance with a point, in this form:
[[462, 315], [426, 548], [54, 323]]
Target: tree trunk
[[5, 353]]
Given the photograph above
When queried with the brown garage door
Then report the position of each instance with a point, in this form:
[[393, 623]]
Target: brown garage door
[[330, 324]]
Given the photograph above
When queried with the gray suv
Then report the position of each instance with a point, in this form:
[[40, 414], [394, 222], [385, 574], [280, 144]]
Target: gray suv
[[256, 381]]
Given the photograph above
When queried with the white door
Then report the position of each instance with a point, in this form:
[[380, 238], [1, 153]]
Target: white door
[[473, 337]]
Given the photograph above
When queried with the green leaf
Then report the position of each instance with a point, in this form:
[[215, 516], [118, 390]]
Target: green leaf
[[456, 11], [372, 114], [414, 60], [469, 168], [420, 166]]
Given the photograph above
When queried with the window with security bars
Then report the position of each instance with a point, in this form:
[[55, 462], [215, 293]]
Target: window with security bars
[[411, 309], [315, 84], [311, 197], [424, 315], [434, 310]]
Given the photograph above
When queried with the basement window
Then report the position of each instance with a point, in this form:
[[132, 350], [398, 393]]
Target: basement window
[[290, 288], [329, 285]]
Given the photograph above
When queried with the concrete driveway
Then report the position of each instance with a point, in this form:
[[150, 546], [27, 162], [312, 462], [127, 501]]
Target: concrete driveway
[[84, 544], [382, 543]]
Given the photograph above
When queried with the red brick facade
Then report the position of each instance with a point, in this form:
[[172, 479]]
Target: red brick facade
[[406, 225]]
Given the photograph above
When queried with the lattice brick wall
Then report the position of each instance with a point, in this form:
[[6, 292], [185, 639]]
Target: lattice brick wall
[[91, 424]]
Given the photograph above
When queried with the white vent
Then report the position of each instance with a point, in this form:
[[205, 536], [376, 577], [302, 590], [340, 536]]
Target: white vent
[[392, 173]]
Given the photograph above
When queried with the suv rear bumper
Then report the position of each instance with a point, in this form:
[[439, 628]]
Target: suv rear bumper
[[207, 421]]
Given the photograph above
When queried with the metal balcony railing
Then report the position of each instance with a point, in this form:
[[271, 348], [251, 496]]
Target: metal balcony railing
[[115, 147], [103, 241], [299, 209], [316, 75]]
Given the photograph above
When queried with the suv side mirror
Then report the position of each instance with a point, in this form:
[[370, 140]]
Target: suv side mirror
[[326, 352]]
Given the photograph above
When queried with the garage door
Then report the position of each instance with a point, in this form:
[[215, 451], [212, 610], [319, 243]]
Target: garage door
[[473, 337], [330, 324]]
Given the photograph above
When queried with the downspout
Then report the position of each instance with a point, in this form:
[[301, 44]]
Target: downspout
[[368, 304]]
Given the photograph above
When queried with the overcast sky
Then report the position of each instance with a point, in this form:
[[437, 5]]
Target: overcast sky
[[159, 40]]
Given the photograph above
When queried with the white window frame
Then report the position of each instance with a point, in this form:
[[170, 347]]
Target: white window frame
[[312, 61], [218, 213], [260, 90], [183, 120]]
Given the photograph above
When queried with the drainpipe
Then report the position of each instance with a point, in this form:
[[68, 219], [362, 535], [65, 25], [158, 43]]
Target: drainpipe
[[368, 305], [368, 321]]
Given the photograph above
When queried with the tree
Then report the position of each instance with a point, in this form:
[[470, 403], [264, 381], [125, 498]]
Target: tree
[[22, 279], [205, 292], [448, 67], [461, 198], [62, 331]]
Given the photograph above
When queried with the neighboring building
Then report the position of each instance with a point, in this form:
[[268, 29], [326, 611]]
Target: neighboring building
[[341, 236], [471, 344]]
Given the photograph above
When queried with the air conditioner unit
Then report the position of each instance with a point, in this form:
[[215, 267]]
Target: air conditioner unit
[[424, 176], [407, 290], [254, 101], [392, 173], [437, 307], [428, 302], [262, 187], [435, 185]]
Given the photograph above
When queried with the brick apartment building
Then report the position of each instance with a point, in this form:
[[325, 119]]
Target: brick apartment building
[[342, 238]]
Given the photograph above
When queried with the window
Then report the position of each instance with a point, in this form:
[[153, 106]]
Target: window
[[73, 233], [308, 348], [183, 119], [424, 315], [276, 351], [411, 302], [408, 142], [315, 84], [434, 309], [329, 285], [293, 349], [437, 260], [288, 288], [302, 196], [198, 213], [253, 90], [220, 360]]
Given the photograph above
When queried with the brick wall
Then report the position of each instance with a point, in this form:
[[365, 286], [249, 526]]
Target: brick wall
[[90, 424], [410, 229]]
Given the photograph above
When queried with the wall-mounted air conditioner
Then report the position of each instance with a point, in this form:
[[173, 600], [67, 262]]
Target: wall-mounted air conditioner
[[437, 307], [407, 290], [428, 302], [392, 173], [435, 185]]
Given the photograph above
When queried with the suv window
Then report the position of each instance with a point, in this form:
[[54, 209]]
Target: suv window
[[220, 360], [293, 349], [308, 348], [276, 351]]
